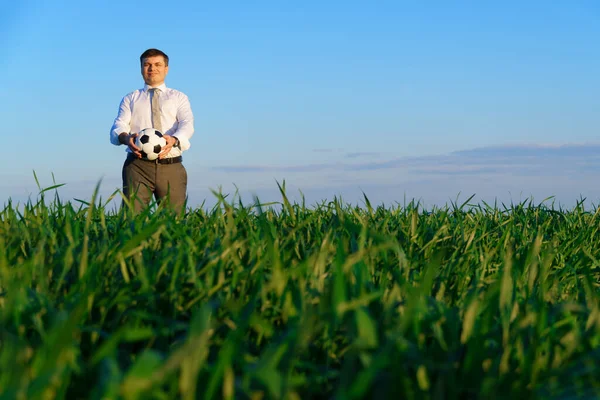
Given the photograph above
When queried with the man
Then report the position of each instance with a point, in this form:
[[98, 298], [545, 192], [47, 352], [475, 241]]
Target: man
[[167, 110]]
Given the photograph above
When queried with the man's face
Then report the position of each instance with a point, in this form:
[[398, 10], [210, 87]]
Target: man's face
[[154, 70]]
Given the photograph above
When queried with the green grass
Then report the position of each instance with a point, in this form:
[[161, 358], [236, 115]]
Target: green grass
[[294, 302]]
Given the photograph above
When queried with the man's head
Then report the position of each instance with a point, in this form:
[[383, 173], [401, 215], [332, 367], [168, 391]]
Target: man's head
[[155, 66]]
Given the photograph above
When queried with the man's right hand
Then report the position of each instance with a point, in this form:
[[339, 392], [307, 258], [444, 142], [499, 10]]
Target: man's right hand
[[128, 139]]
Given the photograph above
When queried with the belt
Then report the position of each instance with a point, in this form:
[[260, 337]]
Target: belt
[[171, 160]]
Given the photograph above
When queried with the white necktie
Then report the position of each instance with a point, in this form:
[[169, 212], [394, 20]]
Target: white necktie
[[156, 124]]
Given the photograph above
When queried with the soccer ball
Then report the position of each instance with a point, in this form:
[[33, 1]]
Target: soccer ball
[[150, 141]]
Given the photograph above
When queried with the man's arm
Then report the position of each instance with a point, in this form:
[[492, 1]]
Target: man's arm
[[185, 119], [120, 128], [119, 133]]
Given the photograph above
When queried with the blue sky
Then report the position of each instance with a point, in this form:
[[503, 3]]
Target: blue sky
[[307, 92]]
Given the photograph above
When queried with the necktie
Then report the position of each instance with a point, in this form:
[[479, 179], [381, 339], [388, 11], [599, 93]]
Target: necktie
[[156, 124]]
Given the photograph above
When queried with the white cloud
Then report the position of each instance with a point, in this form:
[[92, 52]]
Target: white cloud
[[502, 173]]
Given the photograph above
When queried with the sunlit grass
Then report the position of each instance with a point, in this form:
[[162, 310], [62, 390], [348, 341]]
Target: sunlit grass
[[329, 301]]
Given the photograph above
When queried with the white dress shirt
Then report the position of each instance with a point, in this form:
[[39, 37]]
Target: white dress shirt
[[135, 115]]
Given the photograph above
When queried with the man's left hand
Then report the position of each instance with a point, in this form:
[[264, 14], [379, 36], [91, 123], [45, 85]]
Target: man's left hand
[[171, 141]]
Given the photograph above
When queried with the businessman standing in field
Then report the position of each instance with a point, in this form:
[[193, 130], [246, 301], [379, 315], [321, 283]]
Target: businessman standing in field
[[166, 110]]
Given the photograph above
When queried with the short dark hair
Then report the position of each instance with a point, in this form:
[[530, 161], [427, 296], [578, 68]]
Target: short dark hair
[[152, 53]]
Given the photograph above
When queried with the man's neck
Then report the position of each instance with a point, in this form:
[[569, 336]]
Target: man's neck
[[155, 85]]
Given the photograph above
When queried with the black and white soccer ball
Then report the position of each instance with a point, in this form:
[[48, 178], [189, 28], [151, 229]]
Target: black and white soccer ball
[[151, 143]]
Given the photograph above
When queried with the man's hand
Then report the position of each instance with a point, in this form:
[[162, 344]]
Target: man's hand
[[129, 141], [171, 141]]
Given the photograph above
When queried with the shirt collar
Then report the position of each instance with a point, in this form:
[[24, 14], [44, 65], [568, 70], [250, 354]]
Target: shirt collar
[[162, 87]]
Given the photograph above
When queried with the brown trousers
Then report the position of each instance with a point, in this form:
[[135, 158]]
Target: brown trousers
[[143, 179]]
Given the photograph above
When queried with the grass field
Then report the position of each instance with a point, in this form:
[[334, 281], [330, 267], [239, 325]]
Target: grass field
[[296, 302]]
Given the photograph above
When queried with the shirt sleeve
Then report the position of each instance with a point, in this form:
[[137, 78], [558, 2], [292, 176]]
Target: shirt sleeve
[[185, 126], [122, 121]]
